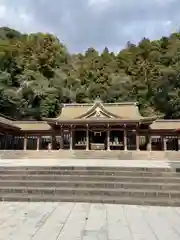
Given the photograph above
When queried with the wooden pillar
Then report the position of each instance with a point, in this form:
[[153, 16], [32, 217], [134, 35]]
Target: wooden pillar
[[137, 141], [149, 144], [62, 138], [5, 141], [125, 139], [25, 141], [164, 143], [53, 141], [38, 142], [71, 138], [87, 137], [108, 139], [178, 143]]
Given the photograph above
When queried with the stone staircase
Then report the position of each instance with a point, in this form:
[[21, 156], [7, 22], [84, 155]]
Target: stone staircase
[[117, 185], [80, 154]]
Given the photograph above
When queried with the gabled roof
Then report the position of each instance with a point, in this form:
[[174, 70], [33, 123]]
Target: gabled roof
[[98, 110]]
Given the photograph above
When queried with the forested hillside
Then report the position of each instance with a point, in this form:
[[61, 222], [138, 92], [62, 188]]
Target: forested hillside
[[37, 74]]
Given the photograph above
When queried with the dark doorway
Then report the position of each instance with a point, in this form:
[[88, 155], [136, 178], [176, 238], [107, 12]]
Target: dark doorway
[[98, 140]]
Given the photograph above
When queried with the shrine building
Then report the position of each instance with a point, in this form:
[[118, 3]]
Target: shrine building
[[96, 126]]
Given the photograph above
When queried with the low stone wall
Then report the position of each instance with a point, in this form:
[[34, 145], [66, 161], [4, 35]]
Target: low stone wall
[[80, 154]]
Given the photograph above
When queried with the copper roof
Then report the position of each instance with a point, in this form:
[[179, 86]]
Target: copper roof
[[7, 123], [113, 112], [44, 126], [166, 124], [103, 112], [32, 125], [123, 111]]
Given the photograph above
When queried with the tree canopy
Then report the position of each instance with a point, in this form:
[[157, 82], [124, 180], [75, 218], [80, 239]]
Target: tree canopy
[[37, 74]]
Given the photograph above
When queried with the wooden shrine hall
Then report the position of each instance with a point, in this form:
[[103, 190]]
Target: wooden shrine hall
[[96, 126]]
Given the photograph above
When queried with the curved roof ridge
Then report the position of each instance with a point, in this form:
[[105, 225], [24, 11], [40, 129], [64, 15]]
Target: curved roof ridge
[[93, 103], [168, 120], [121, 103], [28, 121], [93, 108], [77, 104]]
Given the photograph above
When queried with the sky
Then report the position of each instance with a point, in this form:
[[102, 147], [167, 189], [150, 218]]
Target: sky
[[81, 24]]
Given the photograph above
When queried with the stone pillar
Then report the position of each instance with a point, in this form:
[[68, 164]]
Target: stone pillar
[[62, 138], [164, 143], [137, 141], [38, 142], [71, 139], [87, 137], [125, 139], [25, 141], [108, 139], [149, 145]]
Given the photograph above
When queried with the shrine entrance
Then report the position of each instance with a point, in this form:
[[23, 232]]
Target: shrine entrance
[[98, 140]]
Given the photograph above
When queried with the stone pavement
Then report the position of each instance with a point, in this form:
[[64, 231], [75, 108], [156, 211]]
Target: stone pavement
[[88, 162], [85, 221]]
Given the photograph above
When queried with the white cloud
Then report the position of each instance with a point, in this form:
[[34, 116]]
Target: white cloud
[[2, 11], [99, 3], [98, 23]]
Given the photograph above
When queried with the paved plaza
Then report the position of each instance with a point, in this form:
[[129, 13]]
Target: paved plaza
[[85, 221]]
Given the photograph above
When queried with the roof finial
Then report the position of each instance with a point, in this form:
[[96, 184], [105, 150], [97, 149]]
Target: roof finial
[[98, 99]]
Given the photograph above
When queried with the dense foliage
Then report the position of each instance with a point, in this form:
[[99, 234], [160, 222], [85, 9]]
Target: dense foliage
[[37, 74]]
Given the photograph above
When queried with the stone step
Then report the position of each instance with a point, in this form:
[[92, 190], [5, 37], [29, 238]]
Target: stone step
[[158, 186], [121, 155], [88, 168], [99, 178], [173, 155], [82, 154], [93, 199], [90, 184], [89, 173], [101, 192]]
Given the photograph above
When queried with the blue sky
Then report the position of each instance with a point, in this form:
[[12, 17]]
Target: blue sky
[[93, 23]]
